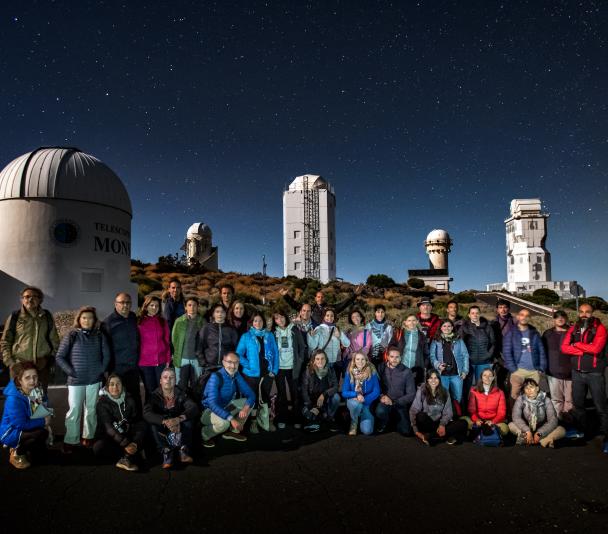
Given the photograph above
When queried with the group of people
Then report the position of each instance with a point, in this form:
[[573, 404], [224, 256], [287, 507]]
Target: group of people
[[227, 373]]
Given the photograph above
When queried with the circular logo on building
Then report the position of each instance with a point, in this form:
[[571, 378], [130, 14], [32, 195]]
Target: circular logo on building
[[65, 233]]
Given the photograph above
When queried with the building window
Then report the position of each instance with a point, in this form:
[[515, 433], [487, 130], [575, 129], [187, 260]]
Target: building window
[[297, 266], [297, 250], [297, 234]]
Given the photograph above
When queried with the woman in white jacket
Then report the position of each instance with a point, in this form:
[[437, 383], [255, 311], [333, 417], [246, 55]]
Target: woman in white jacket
[[329, 338]]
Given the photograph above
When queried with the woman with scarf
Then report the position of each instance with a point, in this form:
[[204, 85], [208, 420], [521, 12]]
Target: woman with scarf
[[381, 332], [238, 317], [120, 432], [328, 337], [291, 359], [21, 429], [534, 417], [431, 414], [361, 388], [359, 336], [259, 355], [84, 355], [450, 357], [320, 397], [154, 343], [410, 341]]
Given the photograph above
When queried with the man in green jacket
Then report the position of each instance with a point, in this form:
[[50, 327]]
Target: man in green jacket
[[184, 338], [30, 335]]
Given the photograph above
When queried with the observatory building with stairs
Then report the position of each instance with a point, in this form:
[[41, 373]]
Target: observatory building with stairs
[[309, 229]]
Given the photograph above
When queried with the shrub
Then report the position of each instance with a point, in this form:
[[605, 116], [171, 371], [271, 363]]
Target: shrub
[[545, 295], [381, 281], [465, 297], [415, 283]]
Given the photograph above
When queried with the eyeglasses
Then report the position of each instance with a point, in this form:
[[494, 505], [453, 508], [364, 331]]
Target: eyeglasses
[[123, 302]]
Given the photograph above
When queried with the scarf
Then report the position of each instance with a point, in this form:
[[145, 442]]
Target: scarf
[[448, 337], [410, 347], [377, 328], [255, 332], [359, 376], [486, 389], [537, 410], [322, 373], [329, 325]]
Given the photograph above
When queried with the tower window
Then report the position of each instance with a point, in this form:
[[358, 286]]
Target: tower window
[[297, 250], [297, 266], [297, 234]]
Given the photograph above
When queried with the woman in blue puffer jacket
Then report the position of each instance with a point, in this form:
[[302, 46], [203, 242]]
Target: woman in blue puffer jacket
[[259, 355], [84, 355], [361, 387]]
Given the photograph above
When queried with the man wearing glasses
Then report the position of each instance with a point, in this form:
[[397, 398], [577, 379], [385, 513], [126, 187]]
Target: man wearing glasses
[[30, 335]]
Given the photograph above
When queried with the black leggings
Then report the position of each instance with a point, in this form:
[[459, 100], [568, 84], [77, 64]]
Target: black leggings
[[285, 381], [266, 387], [32, 440], [456, 429]]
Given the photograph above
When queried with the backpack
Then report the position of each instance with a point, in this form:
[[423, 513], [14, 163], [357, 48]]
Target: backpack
[[488, 437], [12, 325], [204, 378]]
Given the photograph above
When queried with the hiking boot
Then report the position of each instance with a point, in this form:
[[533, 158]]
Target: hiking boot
[[19, 461], [167, 459], [184, 457], [209, 443], [451, 441], [234, 436], [126, 464], [312, 427], [353, 429], [521, 439]]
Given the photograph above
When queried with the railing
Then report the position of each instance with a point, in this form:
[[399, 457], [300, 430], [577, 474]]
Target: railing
[[540, 309]]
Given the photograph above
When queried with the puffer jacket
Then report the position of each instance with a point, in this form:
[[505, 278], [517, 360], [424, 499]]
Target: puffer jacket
[[318, 339], [154, 348], [490, 407], [313, 386], [31, 341], [215, 341], [124, 414], [370, 388], [422, 351], [588, 347], [123, 336], [511, 349], [17, 416], [249, 351], [222, 388], [479, 340], [84, 355]]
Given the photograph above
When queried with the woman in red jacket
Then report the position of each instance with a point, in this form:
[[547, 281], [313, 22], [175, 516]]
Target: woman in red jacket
[[487, 406], [154, 348]]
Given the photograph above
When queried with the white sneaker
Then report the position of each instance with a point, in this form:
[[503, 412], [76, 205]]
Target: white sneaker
[[281, 426]]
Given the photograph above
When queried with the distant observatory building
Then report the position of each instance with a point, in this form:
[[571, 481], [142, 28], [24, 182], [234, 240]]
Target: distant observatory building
[[199, 247], [528, 260], [438, 245], [309, 229], [66, 228]]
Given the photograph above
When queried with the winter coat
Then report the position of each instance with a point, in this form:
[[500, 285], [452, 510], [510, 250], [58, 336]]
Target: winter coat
[[511, 349], [559, 365], [521, 416], [155, 410], [178, 336], [154, 347], [124, 414], [318, 339], [479, 340], [31, 341], [461, 355], [490, 407], [249, 351], [429, 326], [16, 417], [172, 309], [587, 347], [313, 386], [215, 340], [501, 328], [422, 351], [370, 388], [84, 355], [398, 384], [360, 341], [123, 337], [300, 356], [379, 342], [421, 405], [222, 389]]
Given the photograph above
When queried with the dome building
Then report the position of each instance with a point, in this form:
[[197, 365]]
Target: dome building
[[199, 247], [66, 228], [438, 245]]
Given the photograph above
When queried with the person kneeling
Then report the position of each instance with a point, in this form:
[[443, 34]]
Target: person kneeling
[[170, 412], [431, 413], [361, 387], [320, 397], [535, 418], [120, 430], [398, 391], [227, 402]]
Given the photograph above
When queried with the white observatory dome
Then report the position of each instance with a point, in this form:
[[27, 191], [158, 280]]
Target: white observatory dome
[[199, 228], [438, 236]]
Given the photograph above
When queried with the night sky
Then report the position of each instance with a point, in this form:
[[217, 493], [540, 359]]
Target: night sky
[[422, 115]]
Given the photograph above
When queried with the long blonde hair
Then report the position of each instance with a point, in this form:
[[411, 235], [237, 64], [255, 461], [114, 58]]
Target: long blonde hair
[[367, 371]]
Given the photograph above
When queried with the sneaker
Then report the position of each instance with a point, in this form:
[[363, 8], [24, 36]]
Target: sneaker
[[184, 457], [167, 459], [281, 426], [19, 461], [297, 426], [209, 443], [451, 441], [573, 433], [313, 427], [381, 429], [521, 439], [353, 429], [605, 446], [254, 428], [126, 464], [271, 427], [234, 436]]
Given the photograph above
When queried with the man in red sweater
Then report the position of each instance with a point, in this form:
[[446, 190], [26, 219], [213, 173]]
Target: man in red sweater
[[585, 341]]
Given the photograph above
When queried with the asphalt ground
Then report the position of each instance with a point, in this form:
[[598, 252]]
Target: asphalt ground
[[290, 481]]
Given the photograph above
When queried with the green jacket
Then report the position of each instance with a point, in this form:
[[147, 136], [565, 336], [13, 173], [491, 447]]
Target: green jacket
[[178, 336], [30, 340]]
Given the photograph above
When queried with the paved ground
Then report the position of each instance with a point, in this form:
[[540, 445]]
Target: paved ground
[[319, 483]]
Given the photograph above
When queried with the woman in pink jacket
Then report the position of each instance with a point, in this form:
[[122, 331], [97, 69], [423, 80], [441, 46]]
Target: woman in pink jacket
[[360, 338], [154, 348]]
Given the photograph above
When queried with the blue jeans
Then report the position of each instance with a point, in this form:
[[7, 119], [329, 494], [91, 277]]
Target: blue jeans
[[360, 412], [453, 384], [476, 370], [383, 413]]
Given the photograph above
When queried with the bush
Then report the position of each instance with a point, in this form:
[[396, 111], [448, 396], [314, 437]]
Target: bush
[[381, 281], [465, 297], [145, 286], [248, 298], [415, 283], [545, 295], [598, 303]]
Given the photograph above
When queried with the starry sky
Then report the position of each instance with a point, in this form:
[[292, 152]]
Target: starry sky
[[421, 115]]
